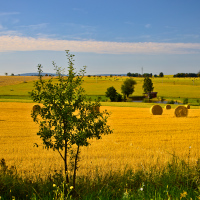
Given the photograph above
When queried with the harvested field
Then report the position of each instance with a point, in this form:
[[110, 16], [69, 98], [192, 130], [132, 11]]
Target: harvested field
[[12, 80], [139, 140]]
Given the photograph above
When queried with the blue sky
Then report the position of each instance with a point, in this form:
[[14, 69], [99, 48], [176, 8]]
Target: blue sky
[[108, 36]]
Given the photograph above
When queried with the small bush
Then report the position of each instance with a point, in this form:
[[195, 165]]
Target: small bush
[[162, 99], [185, 101], [145, 100], [171, 102]]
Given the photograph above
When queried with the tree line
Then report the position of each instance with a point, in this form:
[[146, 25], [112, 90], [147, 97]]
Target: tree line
[[187, 75], [127, 88], [161, 74]]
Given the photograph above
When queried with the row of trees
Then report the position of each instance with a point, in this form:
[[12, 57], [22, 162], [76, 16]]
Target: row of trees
[[187, 75], [128, 88], [7, 74], [161, 74]]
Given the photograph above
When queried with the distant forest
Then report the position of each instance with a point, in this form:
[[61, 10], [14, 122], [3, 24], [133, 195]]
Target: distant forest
[[162, 75], [187, 75], [144, 75]]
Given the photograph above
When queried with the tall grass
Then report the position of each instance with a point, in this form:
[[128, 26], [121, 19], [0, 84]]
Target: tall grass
[[176, 180]]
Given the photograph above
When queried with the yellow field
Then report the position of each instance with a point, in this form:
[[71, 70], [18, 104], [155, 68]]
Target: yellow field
[[12, 80], [139, 140]]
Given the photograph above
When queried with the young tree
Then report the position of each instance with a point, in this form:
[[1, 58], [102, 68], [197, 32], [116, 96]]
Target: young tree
[[67, 120], [148, 85], [127, 87]]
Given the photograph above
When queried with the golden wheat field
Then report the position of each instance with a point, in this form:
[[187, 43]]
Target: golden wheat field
[[139, 140]]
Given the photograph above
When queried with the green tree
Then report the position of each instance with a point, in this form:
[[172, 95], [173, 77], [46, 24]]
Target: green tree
[[119, 97], [128, 87], [161, 74], [129, 74], [67, 119], [148, 85], [111, 93]]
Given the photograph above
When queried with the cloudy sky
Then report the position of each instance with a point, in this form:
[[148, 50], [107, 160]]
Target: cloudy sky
[[108, 36]]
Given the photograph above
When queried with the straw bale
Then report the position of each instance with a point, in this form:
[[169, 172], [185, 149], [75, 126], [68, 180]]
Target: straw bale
[[187, 106], [181, 111], [36, 108], [156, 110], [168, 107]]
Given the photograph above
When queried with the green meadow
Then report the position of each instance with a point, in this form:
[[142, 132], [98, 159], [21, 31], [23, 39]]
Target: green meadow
[[167, 87]]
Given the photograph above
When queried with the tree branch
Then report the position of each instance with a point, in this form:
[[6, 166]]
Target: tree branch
[[61, 155]]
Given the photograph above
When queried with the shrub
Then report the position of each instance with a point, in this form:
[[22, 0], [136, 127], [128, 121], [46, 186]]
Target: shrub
[[162, 99], [171, 102], [185, 101], [145, 100]]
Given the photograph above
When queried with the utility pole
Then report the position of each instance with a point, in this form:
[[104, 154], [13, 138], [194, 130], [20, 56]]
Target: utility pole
[[142, 71]]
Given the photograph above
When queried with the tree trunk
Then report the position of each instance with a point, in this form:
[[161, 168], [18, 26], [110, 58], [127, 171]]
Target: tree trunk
[[65, 160], [75, 166]]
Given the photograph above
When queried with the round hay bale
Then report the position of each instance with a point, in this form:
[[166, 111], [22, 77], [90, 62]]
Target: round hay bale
[[168, 107], [181, 111], [187, 106], [36, 108], [156, 110]]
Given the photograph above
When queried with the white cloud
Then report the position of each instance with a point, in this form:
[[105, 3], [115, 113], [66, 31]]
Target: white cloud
[[9, 13], [80, 10], [17, 43], [129, 23], [148, 25], [36, 26]]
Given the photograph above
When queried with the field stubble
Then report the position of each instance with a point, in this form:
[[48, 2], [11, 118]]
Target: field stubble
[[13, 80], [139, 140]]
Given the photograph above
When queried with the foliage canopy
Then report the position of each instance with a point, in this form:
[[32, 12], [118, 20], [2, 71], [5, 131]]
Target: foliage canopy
[[113, 95], [127, 87], [148, 85]]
